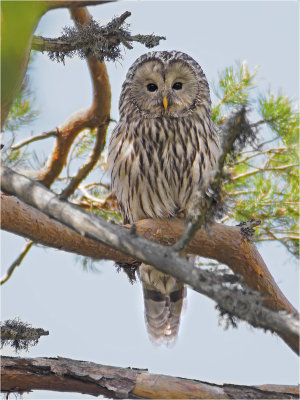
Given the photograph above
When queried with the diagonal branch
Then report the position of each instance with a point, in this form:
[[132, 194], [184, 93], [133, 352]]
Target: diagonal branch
[[67, 375], [31, 139], [16, 263], [236, 132], [242, 303]]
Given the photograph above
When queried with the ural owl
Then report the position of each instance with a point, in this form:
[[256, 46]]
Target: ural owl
[[163, 144]]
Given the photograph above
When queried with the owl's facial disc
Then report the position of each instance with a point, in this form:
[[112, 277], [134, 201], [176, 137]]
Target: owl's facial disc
[[159, 89]]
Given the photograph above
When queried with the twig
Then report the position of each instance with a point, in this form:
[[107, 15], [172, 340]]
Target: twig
[[34, 139], [244, 304], [91, 39], [89, 163], [257, 170], [235, 127], [273, 150], [88, 196], [16, 263]]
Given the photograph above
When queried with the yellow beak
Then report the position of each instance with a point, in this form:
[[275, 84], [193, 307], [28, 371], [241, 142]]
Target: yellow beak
[[165, 103]]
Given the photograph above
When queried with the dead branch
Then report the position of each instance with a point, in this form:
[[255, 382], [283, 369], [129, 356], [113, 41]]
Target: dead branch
[[31, 139], [91, 39], [66, 375], [243, 304], [20, 335]]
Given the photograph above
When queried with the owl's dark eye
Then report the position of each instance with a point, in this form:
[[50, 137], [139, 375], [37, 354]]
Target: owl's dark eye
[[151, 87], [177, 86]]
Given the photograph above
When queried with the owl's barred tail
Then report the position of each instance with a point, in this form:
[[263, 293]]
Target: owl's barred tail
[[163, 297]]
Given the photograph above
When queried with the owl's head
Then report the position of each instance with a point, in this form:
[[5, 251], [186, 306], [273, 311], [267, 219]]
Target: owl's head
[[164, 83]]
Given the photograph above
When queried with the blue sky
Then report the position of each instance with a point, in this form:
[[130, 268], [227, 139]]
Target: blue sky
[[99, 316]]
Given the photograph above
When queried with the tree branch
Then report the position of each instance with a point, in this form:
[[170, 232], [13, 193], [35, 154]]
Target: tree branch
[[208, 198], [16, 263], [91, 39], [20, 335], [97, 116], [66, 375], [240, 303], [88, 165], [31, 139]]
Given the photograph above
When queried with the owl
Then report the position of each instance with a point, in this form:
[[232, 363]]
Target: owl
[[162, 146]]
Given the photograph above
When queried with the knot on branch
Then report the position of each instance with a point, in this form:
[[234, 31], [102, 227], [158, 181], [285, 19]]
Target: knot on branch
[[92, 39], [20, 335]]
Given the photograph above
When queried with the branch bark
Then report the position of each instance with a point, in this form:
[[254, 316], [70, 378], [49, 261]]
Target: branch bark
[[66, 375], [241, 304]]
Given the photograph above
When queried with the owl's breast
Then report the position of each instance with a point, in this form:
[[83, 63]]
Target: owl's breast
[[156, 165]]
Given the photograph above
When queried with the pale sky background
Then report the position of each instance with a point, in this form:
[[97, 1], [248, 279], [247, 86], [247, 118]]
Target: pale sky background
[[99, 316]]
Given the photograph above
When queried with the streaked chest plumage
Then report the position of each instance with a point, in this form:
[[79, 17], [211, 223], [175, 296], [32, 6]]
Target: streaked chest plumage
[[157, 163]]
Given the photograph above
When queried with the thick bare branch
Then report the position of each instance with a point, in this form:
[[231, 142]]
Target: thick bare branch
[[243, 304], [66, 375], [226, 244]]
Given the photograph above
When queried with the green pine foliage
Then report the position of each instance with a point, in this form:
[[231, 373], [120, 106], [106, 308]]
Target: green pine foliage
[[265, 179]]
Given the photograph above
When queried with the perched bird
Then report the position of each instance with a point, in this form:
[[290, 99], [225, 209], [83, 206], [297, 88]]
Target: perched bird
[[163, 144]]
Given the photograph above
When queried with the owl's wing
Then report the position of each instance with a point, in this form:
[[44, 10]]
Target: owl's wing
[[163, 297]]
